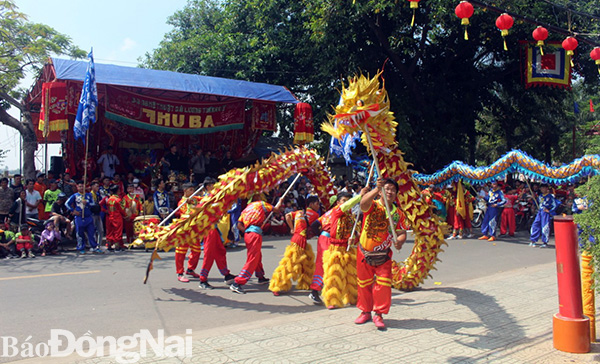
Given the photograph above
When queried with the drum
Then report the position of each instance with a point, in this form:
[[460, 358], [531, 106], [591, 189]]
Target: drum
[[141, 221]]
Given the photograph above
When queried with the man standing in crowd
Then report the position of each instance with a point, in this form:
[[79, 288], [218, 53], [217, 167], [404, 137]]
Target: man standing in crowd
[[97, 212], [33, 199], [50, 197], [67, 185], [17, 186], [161, 200], [108, 162], [79, 205], [198, 166], [6, 200], [171, 162], [40, 186]]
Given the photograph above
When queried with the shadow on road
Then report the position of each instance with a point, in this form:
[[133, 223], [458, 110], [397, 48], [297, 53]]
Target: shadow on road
[[194, 296]]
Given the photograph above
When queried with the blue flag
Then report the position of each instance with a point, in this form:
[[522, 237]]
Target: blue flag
[[576, 107], [88, 102], [343, 148]]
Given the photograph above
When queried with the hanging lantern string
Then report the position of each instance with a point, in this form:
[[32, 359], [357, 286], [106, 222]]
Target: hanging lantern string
[[552, 28]]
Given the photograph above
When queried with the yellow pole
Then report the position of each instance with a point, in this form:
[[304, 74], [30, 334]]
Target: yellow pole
[[587, 292]]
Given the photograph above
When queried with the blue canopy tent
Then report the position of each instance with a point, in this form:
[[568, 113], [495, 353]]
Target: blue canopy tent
[[143, 109]]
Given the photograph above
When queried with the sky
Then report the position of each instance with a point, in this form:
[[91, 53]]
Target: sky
[[119, 31]]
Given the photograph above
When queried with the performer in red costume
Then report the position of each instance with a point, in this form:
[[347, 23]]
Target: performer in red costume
[[324, 223], [251, 223], [449, 194], [338, 230], [133, 208], [463, 213], [181, 250], [507, 219], [374, 265], [297, 263], [114, 219], [214, 250]]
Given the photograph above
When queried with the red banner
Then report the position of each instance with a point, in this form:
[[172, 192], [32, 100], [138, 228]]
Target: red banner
[[53, 113], [173, 116], [263, 116]]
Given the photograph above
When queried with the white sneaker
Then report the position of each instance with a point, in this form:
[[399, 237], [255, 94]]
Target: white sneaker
[[470, 236], [532, 245], [459, 237], [451, 237]]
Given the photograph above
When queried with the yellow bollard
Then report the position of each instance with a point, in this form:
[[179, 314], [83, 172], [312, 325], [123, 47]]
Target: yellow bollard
[[587, 292]]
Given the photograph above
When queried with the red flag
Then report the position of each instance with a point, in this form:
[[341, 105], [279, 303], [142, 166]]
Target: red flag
[[303, 124], [591, 106]]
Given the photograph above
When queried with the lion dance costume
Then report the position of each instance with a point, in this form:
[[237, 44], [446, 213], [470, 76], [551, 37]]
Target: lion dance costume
[[339, 262], [298, 260]]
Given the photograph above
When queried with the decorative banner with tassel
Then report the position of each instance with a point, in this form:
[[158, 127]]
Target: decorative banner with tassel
[[550, 69]]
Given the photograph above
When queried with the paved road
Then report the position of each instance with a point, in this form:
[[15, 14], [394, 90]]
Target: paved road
[[104, 294]]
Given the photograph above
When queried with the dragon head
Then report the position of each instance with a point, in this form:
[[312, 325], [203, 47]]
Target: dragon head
[[364, 107]]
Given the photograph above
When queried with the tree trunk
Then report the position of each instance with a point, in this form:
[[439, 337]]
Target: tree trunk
[[29, 146], [27, 132]]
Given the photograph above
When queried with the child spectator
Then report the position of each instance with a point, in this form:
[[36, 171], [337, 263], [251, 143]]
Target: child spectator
[[7, 244], [24, 242], [49, 239]]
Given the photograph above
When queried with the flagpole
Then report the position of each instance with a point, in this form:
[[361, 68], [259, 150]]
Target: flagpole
[[358, 213], [85, 161]]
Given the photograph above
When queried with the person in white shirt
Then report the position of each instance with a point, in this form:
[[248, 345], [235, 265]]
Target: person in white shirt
[[108, 162], [32, 200]]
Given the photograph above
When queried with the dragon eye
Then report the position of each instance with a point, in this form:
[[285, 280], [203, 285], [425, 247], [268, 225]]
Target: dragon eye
[[360, 103]]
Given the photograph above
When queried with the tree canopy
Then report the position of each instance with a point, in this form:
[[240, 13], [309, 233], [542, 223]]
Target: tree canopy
[[454, 99], [25, 47]]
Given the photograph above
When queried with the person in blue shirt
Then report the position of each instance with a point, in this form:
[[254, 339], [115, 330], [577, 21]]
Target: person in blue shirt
[[161, 200], [541, 225], [79, 204], [495, 200]]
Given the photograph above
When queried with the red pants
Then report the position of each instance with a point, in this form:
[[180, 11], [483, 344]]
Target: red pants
[[460, 223], [450, 217], [253, 259], [114, 231], [193, 258], [128, 227], [374, 285], [508, 221], [26, 246], [317, 280], [213, 251]]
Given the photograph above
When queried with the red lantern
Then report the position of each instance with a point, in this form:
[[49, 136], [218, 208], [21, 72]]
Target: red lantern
[[504, 23], [414, 4], [540, 34], [595, 54], [303, 124], [569, 44], [464, 11]]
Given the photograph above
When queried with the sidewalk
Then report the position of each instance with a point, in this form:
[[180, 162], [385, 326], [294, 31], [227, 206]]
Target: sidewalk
[[505, 318]]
